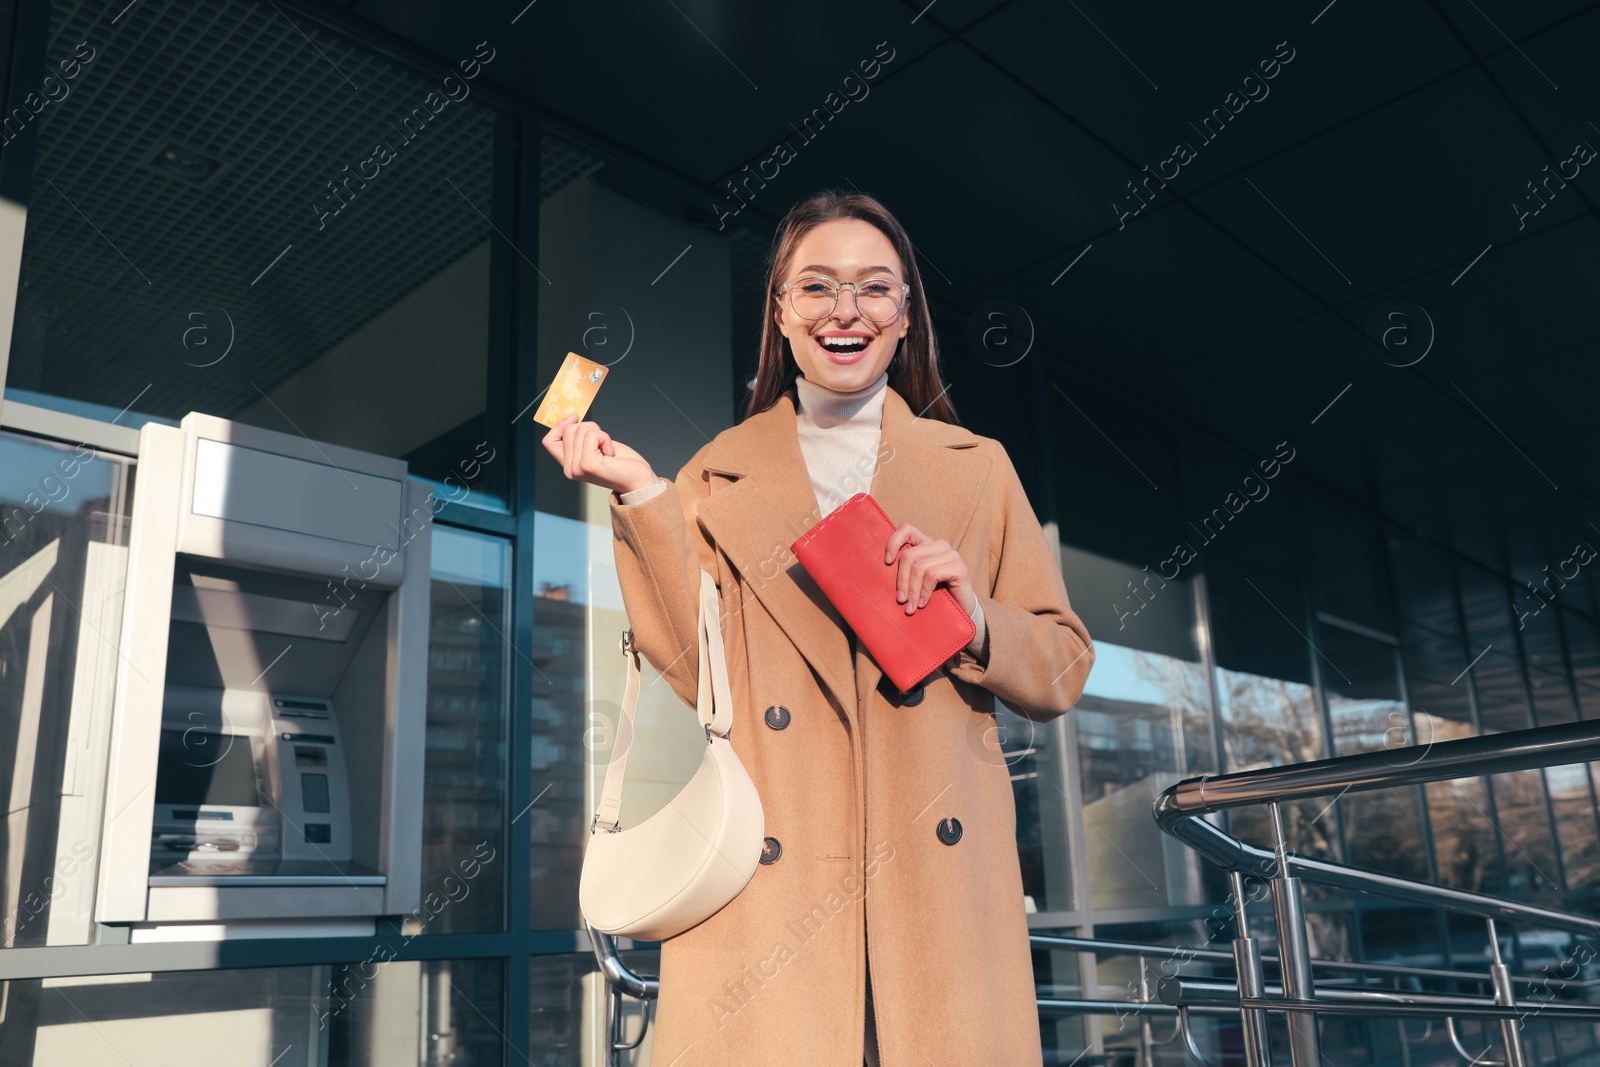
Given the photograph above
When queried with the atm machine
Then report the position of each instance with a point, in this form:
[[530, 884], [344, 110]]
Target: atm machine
[[267, 730]]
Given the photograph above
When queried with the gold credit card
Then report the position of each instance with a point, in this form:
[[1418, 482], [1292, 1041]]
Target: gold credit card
[[573, 390]]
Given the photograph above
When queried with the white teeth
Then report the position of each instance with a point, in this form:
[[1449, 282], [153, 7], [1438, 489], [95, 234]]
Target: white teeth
[[843, 342]]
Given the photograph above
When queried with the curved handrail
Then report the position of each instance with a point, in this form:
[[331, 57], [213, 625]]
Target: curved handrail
[[1518, 750], [1178, 808]]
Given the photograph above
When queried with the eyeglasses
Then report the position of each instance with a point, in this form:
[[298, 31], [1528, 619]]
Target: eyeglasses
[[816, 295]]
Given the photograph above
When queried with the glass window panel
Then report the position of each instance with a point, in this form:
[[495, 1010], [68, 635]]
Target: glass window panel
[[1466, 843], [1267, 711], [1540, 635], [1441, 704], [1267, 721], [1552, 697], [556, 1001], [1039, 769], [1404, 937], [1574, 807], [1583, 652], [1383, 829], [1424, 583], [380, 1012], [63, 562], [1143, 723], [1362, 679], [567, 1009], [314, 260], [1524, 825], [563, 721], [1257, 622], [1061, 1037], [1502, 700], [1486, 603], [1133, 606], [1401, 936], [464, 779]]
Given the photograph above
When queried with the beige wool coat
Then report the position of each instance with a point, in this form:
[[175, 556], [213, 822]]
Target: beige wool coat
[[857, 789]]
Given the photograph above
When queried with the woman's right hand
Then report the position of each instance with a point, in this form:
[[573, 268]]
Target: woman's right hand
[[589, 454]]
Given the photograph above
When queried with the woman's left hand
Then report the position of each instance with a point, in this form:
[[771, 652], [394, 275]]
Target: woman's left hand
[[923, 565]]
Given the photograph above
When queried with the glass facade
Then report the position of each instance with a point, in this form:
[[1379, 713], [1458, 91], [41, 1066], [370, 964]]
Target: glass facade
[[400, 269]]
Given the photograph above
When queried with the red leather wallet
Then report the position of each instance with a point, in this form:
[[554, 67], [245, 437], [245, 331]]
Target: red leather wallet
[[844, 555]]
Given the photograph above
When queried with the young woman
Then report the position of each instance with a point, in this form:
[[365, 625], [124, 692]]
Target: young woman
[[885, 925]]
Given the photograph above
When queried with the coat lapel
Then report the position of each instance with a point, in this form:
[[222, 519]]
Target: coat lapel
[[928, 474]]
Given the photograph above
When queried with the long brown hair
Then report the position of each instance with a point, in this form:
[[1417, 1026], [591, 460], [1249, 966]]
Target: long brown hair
[[914, 370]]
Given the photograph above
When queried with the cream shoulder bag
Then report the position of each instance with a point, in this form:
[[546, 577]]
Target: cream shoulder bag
[[681, 865]]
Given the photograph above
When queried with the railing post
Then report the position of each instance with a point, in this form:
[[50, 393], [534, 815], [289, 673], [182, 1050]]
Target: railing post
[[1505, 994], [1147, 1037], [1252, 981], [1293, 951]]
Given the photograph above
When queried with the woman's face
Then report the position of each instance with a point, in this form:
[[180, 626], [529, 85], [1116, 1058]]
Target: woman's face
[[844, 351]]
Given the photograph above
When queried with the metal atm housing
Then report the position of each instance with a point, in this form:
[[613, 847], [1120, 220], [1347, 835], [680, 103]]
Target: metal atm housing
[[267, 734]]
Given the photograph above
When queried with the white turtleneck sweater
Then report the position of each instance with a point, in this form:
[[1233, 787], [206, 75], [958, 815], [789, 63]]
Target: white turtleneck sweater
[[839, 437]]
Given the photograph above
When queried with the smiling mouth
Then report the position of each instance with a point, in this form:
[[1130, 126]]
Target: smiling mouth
[[847, 346]]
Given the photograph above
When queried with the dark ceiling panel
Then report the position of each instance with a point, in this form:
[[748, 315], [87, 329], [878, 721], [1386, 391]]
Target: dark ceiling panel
[[1561, 117], [1412, 188], [955, 15], [257, 196], [1491, 25], [703, 86], [1145, 299], [986, 179], [1195, 56]]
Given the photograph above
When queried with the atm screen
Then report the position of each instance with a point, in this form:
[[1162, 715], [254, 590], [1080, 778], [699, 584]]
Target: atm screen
[[199, 767]]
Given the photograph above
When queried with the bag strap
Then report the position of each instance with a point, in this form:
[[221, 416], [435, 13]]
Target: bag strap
[[713, 706]]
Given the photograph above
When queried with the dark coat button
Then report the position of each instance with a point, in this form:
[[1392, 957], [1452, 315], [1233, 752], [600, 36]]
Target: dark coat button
[[912, 699], [771, 849], [949, 830], [777, 716]]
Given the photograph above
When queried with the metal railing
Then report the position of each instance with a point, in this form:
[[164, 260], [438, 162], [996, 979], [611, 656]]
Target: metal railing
[[1343, 989], [1178, 812]]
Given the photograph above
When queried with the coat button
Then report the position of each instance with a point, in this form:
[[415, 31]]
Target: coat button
[[777, 716], [771, 849], [949, 830], [911, 699]]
